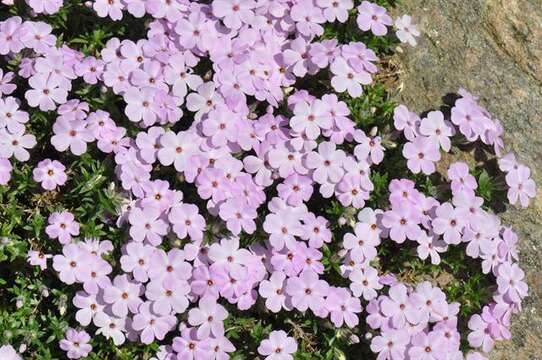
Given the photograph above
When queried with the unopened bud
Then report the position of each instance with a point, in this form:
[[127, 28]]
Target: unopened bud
[[45, 292], [287, 90], [354, 339]]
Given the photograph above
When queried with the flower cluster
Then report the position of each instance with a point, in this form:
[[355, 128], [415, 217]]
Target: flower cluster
[[254, 151], [427, 136], [435, 226]]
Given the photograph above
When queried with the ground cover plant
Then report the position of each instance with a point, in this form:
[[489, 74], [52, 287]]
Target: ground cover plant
[[231, 179]]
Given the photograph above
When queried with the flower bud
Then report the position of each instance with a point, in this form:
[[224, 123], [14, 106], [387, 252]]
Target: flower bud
[[354, 339]]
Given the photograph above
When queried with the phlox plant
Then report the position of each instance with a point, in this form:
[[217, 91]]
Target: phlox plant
[[230, 179]]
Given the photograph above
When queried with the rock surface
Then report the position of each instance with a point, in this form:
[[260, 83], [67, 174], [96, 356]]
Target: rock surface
[[493, 48]]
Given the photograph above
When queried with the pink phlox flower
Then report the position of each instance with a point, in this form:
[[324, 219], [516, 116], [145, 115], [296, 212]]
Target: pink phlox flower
[[406, 121], [279, 346], [437, 129], [521, 186], [510, 282], [62, 225], [147, 224], [391, 344], [50, 173], [38, 258], [343, 307], [273, 290], [406, 31], [307, 18], [347, 78], [234, 13], [403, 222], [373, 17], [73, 135], [336, 9], [186, 221], [73, 265], [399, 307], [430, 246], [317, 230], [364, 282], [422, 154], [111, 8], [6, 87], [152, 325], [170, 265], [47, 90], [123, 295], [136, 259], [307, 291], [450, 223], [16, 144], [209, 317], [76, 343]]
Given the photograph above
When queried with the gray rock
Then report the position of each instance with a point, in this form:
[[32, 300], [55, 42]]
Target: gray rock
[[493, 48]]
